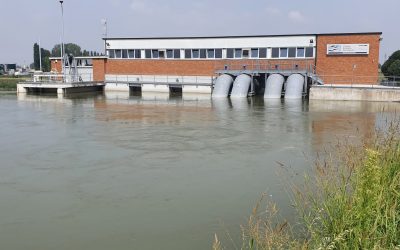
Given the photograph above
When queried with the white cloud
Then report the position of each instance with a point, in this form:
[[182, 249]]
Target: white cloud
[[296, 16]]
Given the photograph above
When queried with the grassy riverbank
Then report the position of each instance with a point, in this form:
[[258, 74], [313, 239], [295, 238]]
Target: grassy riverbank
[[350, 201], [8, 83]]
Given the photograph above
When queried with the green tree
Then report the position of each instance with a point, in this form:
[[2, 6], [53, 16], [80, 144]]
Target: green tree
[[70, 48], [387, 65], [46, 65], [394, 68], [36, 59]]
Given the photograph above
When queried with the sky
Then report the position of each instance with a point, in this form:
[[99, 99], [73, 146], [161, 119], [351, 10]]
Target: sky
[[24, 22]]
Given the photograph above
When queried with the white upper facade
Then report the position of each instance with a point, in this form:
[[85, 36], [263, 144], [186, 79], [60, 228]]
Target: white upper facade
[[218, 42]]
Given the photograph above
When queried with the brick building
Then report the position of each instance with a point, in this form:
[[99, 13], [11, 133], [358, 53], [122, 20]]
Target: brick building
[[342, 58]]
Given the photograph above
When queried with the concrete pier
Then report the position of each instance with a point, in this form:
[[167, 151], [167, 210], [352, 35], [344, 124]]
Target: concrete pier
[[58, 88], [376, 93]]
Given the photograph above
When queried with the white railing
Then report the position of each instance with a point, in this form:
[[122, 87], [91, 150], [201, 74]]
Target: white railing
[[161, 79], [60, 78]]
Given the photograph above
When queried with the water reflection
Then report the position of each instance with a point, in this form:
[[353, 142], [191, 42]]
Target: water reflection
[[128, 171]]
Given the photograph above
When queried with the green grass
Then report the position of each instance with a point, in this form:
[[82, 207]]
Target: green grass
[[10, 83], [350, 201]]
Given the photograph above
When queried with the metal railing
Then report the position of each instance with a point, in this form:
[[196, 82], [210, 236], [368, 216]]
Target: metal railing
[[161, 79], [55, 78], [361, 81], [265, 65]]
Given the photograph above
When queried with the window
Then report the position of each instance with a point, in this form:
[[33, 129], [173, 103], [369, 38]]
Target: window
[[262, 53], [300, 52], [111, 53], [131, 53], [229, 53], [155, 53], [292, 52], [238, 53], [177, 53], [218, 53], [283, 52], [170, 53], [309, 52], [161, 54], [203, 53], [254, 53], [195, 53], [275, 53], [147, 53], [124, 53], [188, 53], [210, 53], [246, 53], [138, 53], [118, 53]]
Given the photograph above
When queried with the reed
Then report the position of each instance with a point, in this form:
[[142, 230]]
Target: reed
[[351, 200]]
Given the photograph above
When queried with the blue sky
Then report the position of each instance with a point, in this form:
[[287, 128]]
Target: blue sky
[[23, 22]]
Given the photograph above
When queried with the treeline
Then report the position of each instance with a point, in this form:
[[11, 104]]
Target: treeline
[[70, 48], [392, 65]]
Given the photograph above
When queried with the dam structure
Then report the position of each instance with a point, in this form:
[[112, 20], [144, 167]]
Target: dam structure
[[275, 66]]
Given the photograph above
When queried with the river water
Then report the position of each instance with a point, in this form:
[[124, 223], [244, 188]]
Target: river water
[[155, 172]]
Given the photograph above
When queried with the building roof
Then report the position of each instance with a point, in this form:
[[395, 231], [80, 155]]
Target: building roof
[[249, 36]]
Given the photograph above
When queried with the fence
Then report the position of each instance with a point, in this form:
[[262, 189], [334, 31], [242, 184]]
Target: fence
[[265, 65], [161, 79], [390, 81], [60, 78]]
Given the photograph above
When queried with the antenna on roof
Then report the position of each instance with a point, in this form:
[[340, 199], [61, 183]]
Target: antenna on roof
[[104, 23]]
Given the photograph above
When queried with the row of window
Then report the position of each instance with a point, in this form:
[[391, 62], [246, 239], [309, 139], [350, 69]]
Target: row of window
[[293, 52]]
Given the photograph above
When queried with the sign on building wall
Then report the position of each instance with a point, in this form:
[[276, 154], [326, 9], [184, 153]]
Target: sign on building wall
[[348, 49]]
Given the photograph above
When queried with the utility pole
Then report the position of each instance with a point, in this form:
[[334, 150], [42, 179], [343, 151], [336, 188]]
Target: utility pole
[[62, 40]]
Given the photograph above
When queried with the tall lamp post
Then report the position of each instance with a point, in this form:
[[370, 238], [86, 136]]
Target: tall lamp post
[[62, 40]]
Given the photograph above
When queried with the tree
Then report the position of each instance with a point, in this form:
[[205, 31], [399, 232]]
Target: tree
[[387, 68], [70, 48], [36, 59], [46, 65], [394, 68]]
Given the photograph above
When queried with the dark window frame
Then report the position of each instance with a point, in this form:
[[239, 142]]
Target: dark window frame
[[218, 53], [188, 54], [118, 51], [299, 49], [275, 53], [262, 53], [308, 51], [254, 55], [111, 53], [138, 54], [230, 53], [177, 53], [211, 53]]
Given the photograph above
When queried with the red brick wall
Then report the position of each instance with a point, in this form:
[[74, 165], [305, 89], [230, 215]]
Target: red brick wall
[[193, 67], [56, 66], [339, 68], [99, 69]]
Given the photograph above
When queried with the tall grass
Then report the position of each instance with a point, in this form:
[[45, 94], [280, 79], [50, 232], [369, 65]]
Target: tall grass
[[350, 201], [9, 83]]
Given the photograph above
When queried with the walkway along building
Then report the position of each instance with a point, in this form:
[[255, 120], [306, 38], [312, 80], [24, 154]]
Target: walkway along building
[[196, 64]]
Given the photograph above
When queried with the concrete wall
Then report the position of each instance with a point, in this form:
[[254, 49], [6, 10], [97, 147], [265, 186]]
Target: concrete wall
[[338, 69], [355, 94]]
